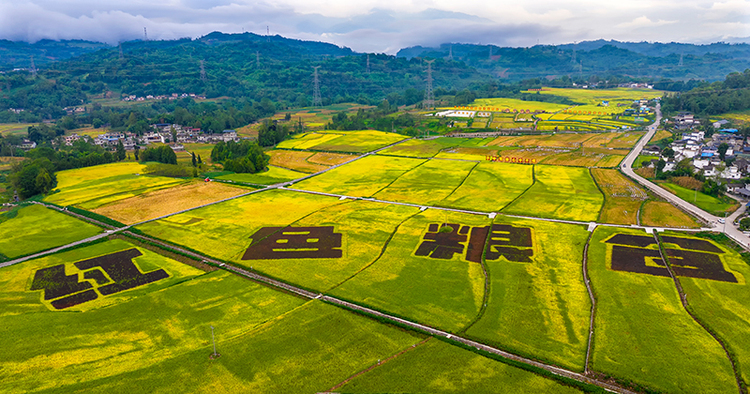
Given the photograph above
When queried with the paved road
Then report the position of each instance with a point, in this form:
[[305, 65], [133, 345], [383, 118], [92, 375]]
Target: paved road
[[713, 221]]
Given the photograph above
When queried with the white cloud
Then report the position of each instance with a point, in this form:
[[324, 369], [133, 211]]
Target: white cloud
[[379, 25]]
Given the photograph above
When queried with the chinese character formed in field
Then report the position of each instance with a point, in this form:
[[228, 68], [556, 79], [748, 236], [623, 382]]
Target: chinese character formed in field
[[693, 258], [494, 241], [504, 240], [111, 274], [294, 243], [442, 242]]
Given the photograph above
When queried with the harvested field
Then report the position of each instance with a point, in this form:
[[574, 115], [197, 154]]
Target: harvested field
[[163, 202], [438, 367], [442, 288], [491, 186], [34, 228], [466, 153], [330, 159], [663, 341], [548, 315], [664, 214], [560, 193], [362, 178], [622, 197], [294, 160]]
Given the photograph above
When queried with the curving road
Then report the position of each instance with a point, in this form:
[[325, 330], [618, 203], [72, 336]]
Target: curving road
[[627, 167]]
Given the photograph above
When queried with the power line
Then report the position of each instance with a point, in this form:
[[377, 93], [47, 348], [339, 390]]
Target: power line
[[429, 96], [317, 101]]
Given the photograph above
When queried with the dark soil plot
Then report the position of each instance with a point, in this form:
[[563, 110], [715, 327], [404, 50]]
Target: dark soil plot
[[634, 260], [699, 265], [294, 243], [75, 299], [56, 284], [640, 241], [693, 244], [122, 270]]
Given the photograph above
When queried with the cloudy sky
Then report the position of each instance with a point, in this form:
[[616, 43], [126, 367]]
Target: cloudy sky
[[379, 25]]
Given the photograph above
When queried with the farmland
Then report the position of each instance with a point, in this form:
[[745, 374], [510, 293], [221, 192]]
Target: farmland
[[596, 96], [428, 183], [14, 128], [661, 213], [33, 228], [441, 368], [662, 341], [548, 314], [622, 197], [713, 205], [560, 193], [724, 305], [166, 201], [343, 141], [442, 290], [491, 186], [271, 176]]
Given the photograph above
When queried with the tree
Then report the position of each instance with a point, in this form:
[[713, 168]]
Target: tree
[[668, 152], [174, 134], [137, 150], [120, 153], [195, 161], [200, 161], [723, 150]]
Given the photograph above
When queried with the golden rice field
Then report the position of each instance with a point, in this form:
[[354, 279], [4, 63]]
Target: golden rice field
[[622, 197], [14, 128], [330, 159], [661, 213], [660, 135], [595, 96], [163, 202], [501, 104], [69, 178]]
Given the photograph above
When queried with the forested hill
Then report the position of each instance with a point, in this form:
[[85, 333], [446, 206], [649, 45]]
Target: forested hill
[[247, 65], [732, 94], [600, 58], [16, 54]]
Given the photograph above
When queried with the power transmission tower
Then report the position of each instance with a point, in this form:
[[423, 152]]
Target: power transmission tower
[[574, 52], [450, 53], [490, 57], [120, 47], [33, 68], [429, 96], [268, 34], [317, 102], [257, 59], [368, 63], [680, 63], [145, 34], [580, 68], [203, 72]]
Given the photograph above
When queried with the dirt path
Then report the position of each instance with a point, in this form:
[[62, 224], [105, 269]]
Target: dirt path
[[587, 281]]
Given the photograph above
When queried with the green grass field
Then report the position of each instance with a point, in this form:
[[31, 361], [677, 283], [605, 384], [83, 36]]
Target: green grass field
[[703, 201], [362, 178], [540, 309], [270, 177], [34, 228], [428, 183], [643, 334], [724, 306], [159, 336], [444, 293], [491, 186], [437, 367], [560, 193]]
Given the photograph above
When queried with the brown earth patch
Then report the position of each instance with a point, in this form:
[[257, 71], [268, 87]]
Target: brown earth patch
[[330, 159], [687, 182]]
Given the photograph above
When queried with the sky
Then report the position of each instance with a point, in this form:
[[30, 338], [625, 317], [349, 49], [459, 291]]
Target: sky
[[382, 26]]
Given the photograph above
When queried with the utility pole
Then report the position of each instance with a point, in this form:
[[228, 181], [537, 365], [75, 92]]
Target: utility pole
[[145, 34], [368, 63], [429, 96], [215, 355], [203, 72], [317, 101]]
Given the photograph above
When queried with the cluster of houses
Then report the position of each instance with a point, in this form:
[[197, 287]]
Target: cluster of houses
[[161, 133], [173, 96], [704, 153]]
